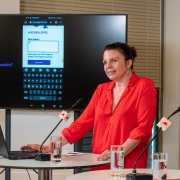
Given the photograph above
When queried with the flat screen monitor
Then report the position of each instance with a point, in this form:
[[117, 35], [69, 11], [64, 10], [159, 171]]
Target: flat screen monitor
[[49, 61]]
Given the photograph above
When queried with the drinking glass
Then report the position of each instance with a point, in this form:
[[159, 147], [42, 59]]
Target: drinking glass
[[56, 148], [117, 161], [160, 166]]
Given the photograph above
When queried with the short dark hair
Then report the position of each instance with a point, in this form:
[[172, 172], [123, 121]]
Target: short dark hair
[[123, 48]]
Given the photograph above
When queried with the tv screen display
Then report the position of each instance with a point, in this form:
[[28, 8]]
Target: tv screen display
[[50, 61]]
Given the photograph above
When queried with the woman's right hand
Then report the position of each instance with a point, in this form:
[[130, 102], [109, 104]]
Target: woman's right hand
[[44, 149], [35, 147]]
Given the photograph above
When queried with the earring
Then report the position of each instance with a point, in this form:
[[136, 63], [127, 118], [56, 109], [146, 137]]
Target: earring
[[127, 71]]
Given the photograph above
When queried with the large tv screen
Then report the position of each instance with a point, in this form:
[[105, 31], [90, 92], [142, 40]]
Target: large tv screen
[[50, 61]]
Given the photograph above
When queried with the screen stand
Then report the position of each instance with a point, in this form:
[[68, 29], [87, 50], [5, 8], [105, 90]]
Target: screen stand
[[45, 174], [8, 138], [78, 146]]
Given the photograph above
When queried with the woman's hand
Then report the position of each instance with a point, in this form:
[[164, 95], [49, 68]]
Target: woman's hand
[[44, 149], [35, 147], [106, 155]]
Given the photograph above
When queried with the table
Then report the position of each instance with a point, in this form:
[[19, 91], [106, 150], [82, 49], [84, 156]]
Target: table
[[45, 167], [105, 174]]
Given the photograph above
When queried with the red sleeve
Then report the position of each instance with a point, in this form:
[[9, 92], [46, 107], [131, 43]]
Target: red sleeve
[[83, 124], [146, 112]]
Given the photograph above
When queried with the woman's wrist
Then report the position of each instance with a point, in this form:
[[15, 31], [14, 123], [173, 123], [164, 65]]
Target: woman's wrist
[[64, 141], [46, 148]]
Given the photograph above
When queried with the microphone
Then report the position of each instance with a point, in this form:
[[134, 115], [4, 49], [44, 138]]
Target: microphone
[[64, 116], [178, 109], [162, 124]]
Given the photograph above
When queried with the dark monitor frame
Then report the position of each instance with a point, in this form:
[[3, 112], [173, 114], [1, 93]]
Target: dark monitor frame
[[82, 81]]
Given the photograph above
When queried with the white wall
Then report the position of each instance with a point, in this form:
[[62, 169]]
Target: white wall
[[9, 6], [2, 123], [171, 80]]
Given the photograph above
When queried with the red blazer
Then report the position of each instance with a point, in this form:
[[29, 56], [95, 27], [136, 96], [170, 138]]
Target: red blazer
[[132, 118]]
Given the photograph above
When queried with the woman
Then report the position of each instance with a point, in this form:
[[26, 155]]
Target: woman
[[121, 111]]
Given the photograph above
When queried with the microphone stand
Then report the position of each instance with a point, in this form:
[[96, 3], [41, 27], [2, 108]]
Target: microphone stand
[[134, 175], [46, 157]]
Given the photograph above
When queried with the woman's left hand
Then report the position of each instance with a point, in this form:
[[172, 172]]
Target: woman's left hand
[[106, 155]]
